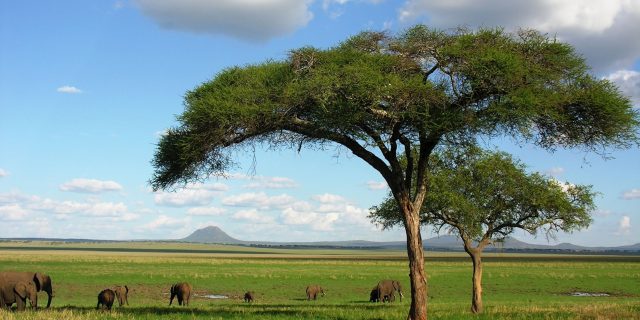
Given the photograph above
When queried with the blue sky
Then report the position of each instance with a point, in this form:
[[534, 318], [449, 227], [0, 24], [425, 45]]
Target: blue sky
[[87, 87]]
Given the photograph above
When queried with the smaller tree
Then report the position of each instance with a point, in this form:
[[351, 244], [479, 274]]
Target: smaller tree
[[485, 196]]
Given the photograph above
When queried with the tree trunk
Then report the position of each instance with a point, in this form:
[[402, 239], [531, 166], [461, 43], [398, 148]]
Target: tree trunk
[[476, 299], [418, 310]]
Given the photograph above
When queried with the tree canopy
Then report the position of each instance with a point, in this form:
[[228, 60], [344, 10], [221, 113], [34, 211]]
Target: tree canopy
[[385, 96], [483, 196]]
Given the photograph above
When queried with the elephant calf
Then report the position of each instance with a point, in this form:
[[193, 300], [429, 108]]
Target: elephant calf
[[374, 296], [248, 296], [122, 294], [387, 290], [18, 293], [313, 290], [106, 298], [182, 291]]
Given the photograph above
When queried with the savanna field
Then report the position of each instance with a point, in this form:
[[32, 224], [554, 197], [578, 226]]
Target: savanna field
[[516, 286]]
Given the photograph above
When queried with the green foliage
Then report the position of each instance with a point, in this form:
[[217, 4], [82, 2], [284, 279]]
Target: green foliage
[[479, 194], [376, 90]]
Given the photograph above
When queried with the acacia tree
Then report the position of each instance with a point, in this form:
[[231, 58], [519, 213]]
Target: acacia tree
[[383, 96], [485, 196]]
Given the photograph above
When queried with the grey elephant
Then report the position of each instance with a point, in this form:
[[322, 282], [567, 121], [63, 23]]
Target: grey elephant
[[18, 293], [41, 280], [387, 290], [122, 294], [105, 299], [313, 291], [374, 296], [182, 291], [249, 296]]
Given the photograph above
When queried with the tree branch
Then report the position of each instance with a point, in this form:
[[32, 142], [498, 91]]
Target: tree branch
[[300, 126]]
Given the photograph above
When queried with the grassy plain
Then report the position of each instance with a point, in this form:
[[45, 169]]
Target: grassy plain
[[516, 286]]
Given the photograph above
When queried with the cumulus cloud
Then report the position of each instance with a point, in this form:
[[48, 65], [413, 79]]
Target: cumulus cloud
[[624, 225], [254, 20], [206, 211], [90, 186], [376, 185], [69, 89], [252, 216], [631, 194], [315, 220], [332, 213], [328, 198], [258, 200], [17, 205], [629, 83], [13, 212], [602, 30], [196, 194], [271, 183], [166, 222], [3, 173]]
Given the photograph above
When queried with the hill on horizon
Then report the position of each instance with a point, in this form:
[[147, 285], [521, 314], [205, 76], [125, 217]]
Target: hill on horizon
[[213, 234]]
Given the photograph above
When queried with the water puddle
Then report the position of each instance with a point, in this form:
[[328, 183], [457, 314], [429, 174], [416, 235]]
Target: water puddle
[[589, 294], [212, 296]]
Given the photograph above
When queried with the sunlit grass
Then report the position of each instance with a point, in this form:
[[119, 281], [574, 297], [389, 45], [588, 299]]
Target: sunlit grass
[[515, 286]]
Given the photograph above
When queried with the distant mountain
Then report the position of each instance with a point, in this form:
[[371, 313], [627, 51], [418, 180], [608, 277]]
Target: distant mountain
[[214, 234], [211, 234]]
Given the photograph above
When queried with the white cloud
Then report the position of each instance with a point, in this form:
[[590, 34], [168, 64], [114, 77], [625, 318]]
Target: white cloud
[[271, 183], [166, 222], [328, 198], [317, 221], [555, 171], [258, 200], [624, 225], [69, 89], [93, 209], [631, 194], [18, 206], [375, 185], [206, 211], [90, 186], [3, 173], [253, 216], [257, 20], [196, 194], [629, 83], [13, 212], [327, 216], [603, 30]]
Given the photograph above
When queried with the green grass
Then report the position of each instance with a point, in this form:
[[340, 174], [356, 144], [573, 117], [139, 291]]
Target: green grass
[[515, 286]]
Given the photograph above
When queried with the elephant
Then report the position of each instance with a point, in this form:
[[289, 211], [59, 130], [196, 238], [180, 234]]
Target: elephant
[[41, 280], [18, 293], [182, 291], [122, 294], [106, 298], [313, 290], [374, 296], [387, 289], [248, 296]]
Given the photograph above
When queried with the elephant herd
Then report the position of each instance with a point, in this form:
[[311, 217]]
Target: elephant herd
[[17, 287]]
